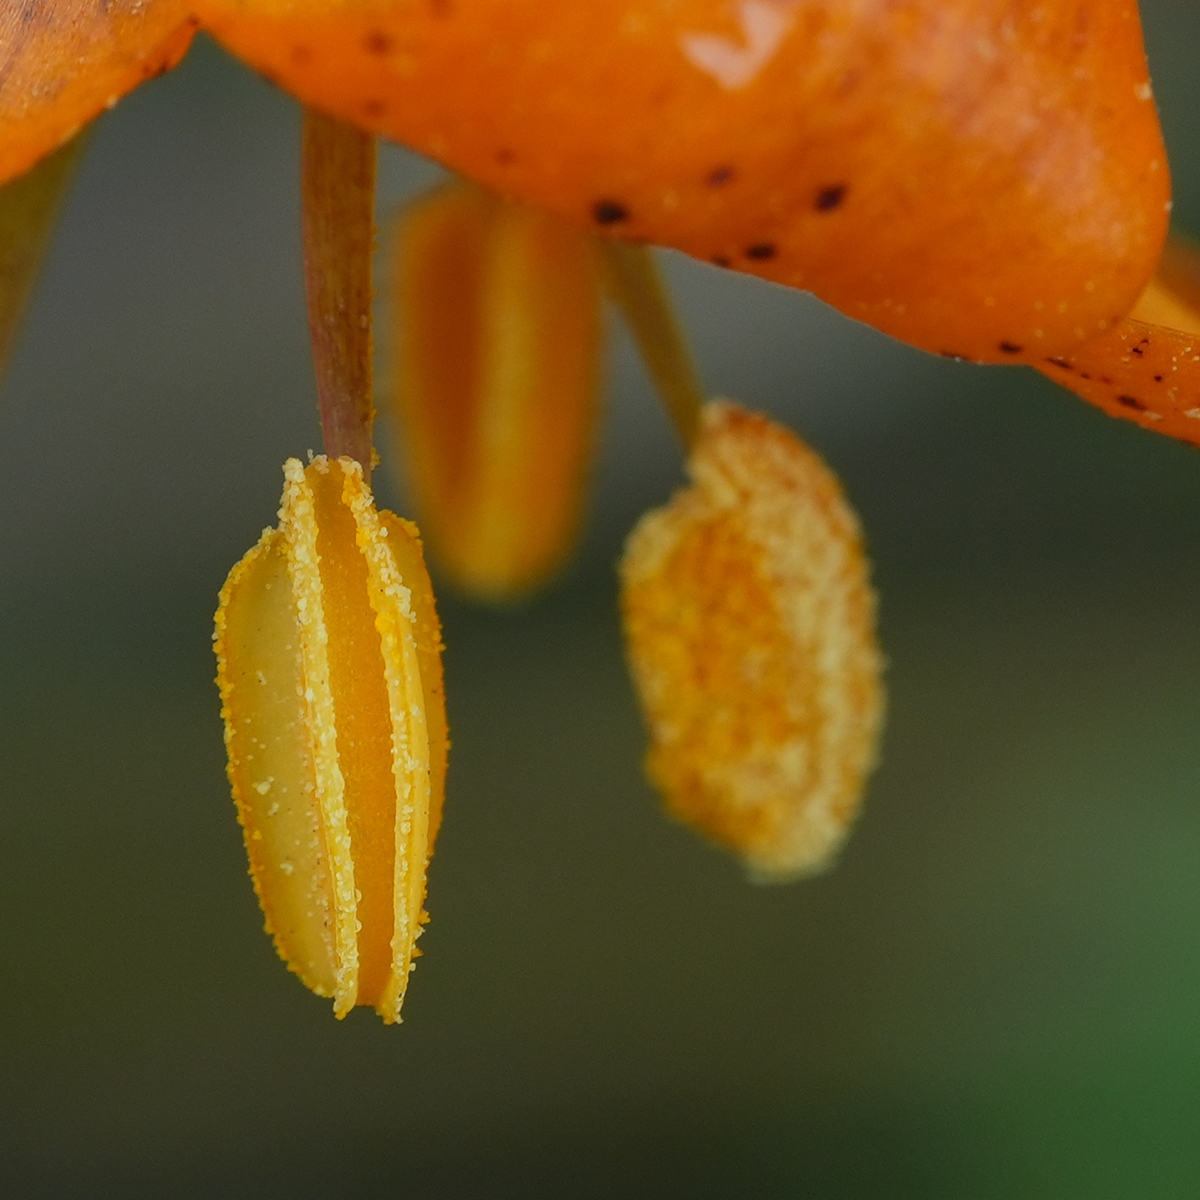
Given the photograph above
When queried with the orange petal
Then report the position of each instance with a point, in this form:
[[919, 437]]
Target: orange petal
[[1147, 369], [750, 630], [326, 644], [978, 178], [64, 61], [496, 387]]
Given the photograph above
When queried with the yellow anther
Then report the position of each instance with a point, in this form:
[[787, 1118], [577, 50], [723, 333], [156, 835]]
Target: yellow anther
[[329, 663], [498, 331], [750, 630]]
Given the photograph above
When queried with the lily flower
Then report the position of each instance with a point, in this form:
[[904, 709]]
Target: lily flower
[[982, 179]]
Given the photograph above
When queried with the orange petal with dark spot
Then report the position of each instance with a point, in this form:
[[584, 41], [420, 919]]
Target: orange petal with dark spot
[[1147, 369], [977, 177]]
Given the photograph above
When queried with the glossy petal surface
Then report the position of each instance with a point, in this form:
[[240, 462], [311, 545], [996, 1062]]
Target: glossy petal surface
[[979, 177]]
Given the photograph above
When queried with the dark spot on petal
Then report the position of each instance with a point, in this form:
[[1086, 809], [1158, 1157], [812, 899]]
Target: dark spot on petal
[[375, 41], [442, 8], [1060, 362], [374, 108], [609, 212], [719, 176], [1137, 349], [504, 157], [1158, 379], [1105, 379], [1010, 348], [829, 198], [720, 260], [1131, 402], [1084, 375], [761, 250], [301, 55]]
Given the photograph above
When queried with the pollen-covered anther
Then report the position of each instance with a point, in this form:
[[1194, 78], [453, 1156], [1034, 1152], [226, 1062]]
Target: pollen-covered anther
[[751, 635], [328, 659]]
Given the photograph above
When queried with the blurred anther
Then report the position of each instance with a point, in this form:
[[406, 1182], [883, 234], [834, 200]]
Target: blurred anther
[[497, 331]]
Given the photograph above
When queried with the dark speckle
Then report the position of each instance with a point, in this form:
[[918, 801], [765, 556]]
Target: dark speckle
[[375, 41], [301, 55], [1131, 402], [1010, 348], [374, 108], [1158, 379], [719, 176], [720, 260], [1060, 362], [505, 156], [829, 198], [761, 250], [609, 212]]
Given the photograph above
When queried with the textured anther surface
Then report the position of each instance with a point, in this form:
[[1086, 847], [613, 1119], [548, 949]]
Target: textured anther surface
[[750, 629], [328, 659]]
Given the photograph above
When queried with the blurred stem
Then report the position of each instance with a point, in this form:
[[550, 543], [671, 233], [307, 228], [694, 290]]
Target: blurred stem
[[338, 200], [638, 290], [28, 206]]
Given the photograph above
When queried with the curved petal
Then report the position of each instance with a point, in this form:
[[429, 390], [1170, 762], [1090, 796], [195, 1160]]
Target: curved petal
[[1144, 373], [1147, 369], [64, 61], [978, 177]]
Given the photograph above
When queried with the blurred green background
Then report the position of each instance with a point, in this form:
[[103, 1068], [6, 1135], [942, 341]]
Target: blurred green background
[[997, 992]]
